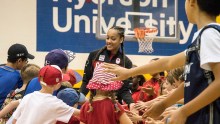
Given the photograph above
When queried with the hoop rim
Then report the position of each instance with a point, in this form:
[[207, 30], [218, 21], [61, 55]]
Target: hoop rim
[[149, 31]]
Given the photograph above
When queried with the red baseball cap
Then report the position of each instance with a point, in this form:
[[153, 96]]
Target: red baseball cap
[[51, 75], [72, 77], [66, 77]]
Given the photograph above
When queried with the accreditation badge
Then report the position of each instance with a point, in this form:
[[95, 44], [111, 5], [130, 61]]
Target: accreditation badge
[[101, 57]]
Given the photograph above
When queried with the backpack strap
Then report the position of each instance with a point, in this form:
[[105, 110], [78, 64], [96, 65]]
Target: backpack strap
[[216, 27], [197, 46], [207, 74]]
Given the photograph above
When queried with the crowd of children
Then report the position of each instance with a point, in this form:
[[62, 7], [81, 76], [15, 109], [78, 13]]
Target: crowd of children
[[49, 91]]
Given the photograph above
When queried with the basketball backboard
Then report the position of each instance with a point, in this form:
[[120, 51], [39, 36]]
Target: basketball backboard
[[131, 14]]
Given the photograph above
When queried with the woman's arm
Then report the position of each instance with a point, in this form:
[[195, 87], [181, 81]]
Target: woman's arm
[[162, 64]]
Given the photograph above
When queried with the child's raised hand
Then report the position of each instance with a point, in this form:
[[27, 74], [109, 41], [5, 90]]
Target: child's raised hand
[[177, 117], [148, 90], [140, 105], [152, 121], [133, 116], [155, 110], [168, 112]]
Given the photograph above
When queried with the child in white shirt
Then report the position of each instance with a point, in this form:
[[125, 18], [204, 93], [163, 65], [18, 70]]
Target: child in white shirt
[[41, 107]]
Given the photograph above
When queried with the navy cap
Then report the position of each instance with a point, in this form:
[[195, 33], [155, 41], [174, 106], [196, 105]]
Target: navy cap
[[17, 51], [56, 57]]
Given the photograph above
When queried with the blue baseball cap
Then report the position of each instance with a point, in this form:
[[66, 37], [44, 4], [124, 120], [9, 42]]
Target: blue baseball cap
[[70, 96]]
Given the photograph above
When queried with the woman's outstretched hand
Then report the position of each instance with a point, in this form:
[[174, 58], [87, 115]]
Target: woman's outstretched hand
[[121, 72]]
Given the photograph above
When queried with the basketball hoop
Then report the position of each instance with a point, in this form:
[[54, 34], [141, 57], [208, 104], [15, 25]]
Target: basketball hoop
[[145, 37]]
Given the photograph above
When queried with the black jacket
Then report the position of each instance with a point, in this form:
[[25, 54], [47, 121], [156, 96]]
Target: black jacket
[[95, 58]]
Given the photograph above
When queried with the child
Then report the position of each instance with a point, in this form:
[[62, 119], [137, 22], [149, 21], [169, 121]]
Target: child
[[200, 91], [178, 76], [54, 57], [10, 78], [28, 72], [71, 97], [166, 88], [152, 86], [41, 107], [101, 109], [137, 94]]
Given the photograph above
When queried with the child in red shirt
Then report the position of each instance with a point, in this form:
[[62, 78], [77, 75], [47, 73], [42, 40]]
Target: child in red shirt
[[152, 86], [102, 107], [137, 93]]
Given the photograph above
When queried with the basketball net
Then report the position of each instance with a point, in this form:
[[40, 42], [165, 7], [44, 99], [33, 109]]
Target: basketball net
[[145, 37]]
